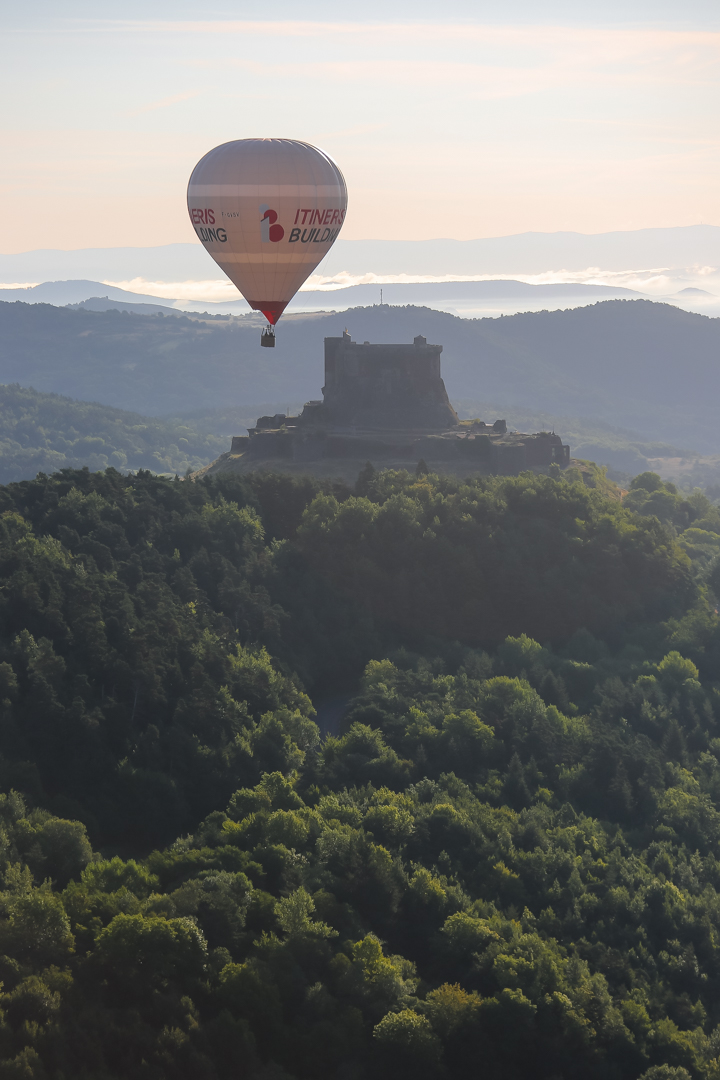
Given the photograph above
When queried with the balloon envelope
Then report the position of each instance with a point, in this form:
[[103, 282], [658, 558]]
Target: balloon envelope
[[268, 211]]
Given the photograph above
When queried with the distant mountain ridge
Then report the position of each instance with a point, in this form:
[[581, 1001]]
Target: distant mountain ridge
[[63, 293], [526, 253], [648, 367]]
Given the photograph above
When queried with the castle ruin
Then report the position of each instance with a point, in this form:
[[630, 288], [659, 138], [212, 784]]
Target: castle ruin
[[387, 404]]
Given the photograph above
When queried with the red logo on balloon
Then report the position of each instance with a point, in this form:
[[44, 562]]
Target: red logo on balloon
[[269, 231]]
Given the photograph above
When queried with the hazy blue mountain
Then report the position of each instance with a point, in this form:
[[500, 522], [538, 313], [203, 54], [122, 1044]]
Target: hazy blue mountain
[[465, 298], [445, 295], [651, 368], [528, 253], [61, 293], [531, 252], [104, 303], [414, 292]]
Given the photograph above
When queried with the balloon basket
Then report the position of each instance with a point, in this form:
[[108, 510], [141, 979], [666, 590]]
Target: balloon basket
[[267, 338]]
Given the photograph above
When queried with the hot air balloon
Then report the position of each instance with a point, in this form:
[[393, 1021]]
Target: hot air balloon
[[268, 211]]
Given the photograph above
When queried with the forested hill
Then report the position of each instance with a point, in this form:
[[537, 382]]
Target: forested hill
[[636, 364], [47, 432], [505, 856]]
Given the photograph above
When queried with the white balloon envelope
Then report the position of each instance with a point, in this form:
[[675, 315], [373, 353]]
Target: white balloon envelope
[[268, 211]]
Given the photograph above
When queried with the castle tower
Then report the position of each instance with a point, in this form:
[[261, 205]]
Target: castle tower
[[380, 387]]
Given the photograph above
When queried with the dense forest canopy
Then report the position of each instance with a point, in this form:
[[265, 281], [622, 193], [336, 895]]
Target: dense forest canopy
[[505, 853], [635, 364]]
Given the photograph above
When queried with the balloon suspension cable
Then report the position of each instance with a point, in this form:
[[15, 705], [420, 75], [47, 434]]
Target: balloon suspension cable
[[267, 337]]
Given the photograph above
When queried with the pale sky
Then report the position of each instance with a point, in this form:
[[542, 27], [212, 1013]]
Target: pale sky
[[449, 119]]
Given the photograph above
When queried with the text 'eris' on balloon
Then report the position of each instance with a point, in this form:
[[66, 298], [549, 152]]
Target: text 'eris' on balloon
[[268, 211]]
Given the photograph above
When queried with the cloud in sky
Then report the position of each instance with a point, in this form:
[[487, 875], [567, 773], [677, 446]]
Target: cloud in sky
[[175, 99], [460, 128]]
